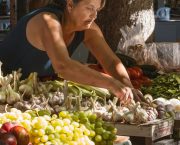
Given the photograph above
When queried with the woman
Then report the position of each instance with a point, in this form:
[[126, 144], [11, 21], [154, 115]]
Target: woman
[[44, 40]]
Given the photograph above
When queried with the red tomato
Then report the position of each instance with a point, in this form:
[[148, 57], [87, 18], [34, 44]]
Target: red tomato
[[148, 83], [139, 81], [145, 78], [99, 65], [138, 71], [133, 73], [134, 82]]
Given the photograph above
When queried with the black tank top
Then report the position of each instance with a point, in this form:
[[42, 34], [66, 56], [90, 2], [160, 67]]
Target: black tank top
[[16, 51]]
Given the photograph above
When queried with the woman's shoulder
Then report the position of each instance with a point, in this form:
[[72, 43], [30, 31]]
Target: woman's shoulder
[[44, 24], [45, 20]]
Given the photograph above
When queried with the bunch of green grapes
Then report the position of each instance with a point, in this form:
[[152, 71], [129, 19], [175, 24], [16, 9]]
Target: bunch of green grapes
[[57, 130], [98, 130], [79, 128]]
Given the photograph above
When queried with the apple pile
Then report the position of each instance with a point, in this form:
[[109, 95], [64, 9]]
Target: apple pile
[[137, 78], [13, 134]]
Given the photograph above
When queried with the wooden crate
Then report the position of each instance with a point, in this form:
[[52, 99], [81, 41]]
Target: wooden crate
[[150, 132]]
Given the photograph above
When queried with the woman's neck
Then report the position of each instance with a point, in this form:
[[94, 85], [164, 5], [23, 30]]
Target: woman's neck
[[68, 26]]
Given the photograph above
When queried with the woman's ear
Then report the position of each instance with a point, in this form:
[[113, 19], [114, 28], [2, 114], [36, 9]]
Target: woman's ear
[[70, 5]]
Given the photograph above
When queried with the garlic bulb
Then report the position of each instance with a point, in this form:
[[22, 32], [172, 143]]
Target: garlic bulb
[[118, 115], [57, 98], [152, 113], [128, 104], [129, 116], [141, 116], [28, 87], [114, 103], [12, 97], [123, 109], [93, 109], [107, 116], [22, 105], [44, 103]]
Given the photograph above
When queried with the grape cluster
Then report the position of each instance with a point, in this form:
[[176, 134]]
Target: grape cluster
[[79, 128]]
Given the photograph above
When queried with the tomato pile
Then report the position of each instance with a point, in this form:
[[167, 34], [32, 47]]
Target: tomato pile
[[135, 75], [137, 78]]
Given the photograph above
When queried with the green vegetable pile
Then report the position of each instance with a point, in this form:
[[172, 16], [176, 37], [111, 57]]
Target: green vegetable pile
[[166, 86]]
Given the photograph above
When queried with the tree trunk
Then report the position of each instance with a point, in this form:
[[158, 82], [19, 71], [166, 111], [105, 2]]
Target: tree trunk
[[118, 13], [35, 4]]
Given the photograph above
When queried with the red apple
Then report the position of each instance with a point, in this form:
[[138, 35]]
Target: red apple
[[7, 126], [8, 138], [21, 135], [2, 131]]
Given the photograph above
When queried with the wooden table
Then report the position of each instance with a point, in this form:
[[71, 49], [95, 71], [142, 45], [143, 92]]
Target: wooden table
[[2, 107], [149, 133]]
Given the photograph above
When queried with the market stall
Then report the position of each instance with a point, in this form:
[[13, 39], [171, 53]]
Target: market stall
[[78, 112], [52, 110]]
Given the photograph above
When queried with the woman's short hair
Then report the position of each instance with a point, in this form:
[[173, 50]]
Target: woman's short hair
[[62, 3]]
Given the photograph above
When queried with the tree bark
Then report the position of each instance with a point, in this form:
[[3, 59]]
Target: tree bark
[[118, 13], [35, 4]]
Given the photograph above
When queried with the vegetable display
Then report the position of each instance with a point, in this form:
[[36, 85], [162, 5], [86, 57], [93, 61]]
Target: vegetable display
[[62, 112], [166, 86]]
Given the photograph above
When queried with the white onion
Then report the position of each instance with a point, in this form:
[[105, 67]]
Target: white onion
[[174, 102], [161, 99]]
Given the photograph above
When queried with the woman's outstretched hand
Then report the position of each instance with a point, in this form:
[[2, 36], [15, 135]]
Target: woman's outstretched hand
[[124, 92], [121, 91]]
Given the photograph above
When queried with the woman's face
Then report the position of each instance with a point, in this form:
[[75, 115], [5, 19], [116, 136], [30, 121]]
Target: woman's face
[[85, 12]]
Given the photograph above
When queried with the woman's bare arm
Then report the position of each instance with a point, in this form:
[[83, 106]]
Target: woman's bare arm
[[52, 39], [96, 43]]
